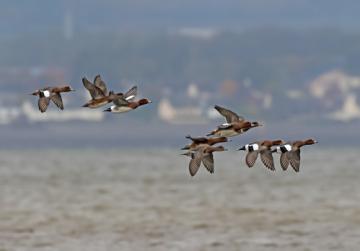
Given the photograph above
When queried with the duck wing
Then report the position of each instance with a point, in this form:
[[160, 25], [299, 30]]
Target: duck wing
[[284, 161], [200, 140], [131, 94], [99, 83], [230, 116], [225, 126], [208, 162], [94, 91], [294, 158], [120, 101], [43, 103], [267, 159], [194, 165], [251, 158], [56, 98]]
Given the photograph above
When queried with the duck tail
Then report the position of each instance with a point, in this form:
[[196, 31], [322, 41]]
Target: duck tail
[[210, 134]]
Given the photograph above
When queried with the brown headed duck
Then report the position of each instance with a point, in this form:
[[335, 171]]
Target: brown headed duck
[[234, 125], [203, 141], [51, 93], [290, 153], [264, 148], [203, 154], [123, 104]]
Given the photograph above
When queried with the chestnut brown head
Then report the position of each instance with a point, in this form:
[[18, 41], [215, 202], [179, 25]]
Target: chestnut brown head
[[144, 101]]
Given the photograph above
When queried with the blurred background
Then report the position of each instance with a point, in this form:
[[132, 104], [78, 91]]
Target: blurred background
[[82, 179], [293, 66]]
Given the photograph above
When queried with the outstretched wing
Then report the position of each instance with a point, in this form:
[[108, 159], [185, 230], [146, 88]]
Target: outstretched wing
[[230, 116], [294, 158], [56, 98], [94, 91], [208, 162], [120, 101], [131, 94], [251, 158], [267, 159], [43, 103], [284, 161], [194, 165], [99, 83]]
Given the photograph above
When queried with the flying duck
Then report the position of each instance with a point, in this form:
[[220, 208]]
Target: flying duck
[[125, 103], [234, 125], [51, 93], [262, 147], [203, 141], [290, 153], [98, 102], [203, 154]]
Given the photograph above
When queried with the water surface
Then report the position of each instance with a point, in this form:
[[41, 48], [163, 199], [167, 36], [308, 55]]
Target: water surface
[[146, 200]]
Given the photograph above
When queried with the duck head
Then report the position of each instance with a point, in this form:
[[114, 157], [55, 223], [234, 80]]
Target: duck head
[[144, 101], [310, 142]]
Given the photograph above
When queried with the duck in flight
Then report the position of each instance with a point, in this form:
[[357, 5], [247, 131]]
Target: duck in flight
[[264, 149], [51, 93], [290, 153], [203, 141], [203, 155], [99, 94], [125, 103], [234, 125]]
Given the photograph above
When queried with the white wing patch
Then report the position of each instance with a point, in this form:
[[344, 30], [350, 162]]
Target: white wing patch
[[130, 97], [255, 147], [226, 124], [288, 147], [247, 147], [46, 94]]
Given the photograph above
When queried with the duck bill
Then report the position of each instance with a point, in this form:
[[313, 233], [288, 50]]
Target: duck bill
[[107, 110], [185, 148], [241, 148]]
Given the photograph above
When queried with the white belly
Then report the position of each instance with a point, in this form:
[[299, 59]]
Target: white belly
[[119, 109]]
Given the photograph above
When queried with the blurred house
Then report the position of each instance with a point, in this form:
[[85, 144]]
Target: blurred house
[[182, 115], [335, 80], [33, 115], [348, 112]]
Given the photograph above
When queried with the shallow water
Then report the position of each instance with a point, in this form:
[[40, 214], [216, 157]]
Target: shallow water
[[146, 200]]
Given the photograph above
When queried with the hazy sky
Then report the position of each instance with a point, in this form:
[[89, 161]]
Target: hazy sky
[[142, 15]]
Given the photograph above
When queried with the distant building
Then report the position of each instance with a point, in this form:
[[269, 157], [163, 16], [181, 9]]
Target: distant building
[[182, 115], [333, 81], [349, 111], [33, 115]]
